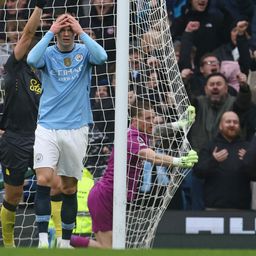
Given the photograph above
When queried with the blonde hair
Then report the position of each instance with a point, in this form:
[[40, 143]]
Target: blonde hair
[[151, 40]]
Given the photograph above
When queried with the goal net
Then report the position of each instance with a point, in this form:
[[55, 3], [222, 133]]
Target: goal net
[[153, 76]]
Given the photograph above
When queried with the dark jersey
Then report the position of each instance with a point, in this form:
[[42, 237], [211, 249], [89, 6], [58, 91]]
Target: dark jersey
[[22, 94]]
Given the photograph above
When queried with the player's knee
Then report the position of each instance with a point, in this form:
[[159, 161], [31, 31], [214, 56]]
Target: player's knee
[[68, 185], [14, 198], [13, 194], [68, 190], [44, 177], [56, 184], [43, 180]]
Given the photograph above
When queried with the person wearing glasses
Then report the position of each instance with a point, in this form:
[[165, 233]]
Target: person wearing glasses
[[194, 80], [231, 58]]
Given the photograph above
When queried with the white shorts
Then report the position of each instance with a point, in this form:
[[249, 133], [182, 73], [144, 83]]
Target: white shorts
[[61, 150]]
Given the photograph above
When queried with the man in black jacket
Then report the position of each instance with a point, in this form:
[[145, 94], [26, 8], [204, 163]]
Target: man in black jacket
[[226, 181]]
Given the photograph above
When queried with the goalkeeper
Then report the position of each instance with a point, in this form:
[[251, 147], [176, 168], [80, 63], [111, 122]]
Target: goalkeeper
[[100, 200], [22, 94]]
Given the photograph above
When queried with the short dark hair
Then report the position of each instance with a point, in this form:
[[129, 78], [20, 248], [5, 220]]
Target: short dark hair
[[216, 74], [206, 55]]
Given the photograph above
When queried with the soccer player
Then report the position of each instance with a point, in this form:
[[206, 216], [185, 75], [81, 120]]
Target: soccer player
[[64, 114], [22, 93], [100, 200]]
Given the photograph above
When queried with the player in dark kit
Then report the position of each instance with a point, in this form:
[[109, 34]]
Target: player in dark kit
[[22, 94]]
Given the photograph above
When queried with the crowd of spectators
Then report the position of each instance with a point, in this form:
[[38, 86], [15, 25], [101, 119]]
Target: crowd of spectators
[[215, 48]]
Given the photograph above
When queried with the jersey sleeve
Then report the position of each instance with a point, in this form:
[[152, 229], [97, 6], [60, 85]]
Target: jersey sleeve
[[98, 54], [35, 56]]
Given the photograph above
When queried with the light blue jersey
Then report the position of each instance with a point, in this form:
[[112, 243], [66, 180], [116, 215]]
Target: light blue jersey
[[66, 82]]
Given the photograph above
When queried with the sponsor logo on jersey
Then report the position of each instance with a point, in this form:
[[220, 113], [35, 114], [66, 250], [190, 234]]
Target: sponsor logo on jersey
[[35, 86], [67, 74]]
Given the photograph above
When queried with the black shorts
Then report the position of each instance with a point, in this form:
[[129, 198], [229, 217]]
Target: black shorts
[[16, 156]]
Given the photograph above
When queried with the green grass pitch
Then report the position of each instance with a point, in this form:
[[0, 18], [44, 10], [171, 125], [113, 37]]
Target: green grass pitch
[[98, 252]]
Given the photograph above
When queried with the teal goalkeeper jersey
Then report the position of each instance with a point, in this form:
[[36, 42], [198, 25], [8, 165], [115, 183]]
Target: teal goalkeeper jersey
[[66, 82]]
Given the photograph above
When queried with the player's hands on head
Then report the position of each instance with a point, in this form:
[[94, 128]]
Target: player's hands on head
[[75, 26], [61, 22], [41, 3]]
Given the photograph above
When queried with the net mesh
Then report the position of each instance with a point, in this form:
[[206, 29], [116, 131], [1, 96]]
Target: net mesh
[[153, 76]]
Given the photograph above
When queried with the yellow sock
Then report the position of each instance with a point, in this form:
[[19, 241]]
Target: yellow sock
[[56, 217], [8, 221]]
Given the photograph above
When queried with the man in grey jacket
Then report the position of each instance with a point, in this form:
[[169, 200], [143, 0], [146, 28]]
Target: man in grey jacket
[[209, 109]]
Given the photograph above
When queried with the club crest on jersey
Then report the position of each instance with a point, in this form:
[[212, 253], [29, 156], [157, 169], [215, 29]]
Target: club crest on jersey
[[141, 141], [67, 62], [79, 57]]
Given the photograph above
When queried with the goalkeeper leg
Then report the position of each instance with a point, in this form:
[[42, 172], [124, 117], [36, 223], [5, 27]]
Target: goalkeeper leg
[[103, 240], [100, 207]]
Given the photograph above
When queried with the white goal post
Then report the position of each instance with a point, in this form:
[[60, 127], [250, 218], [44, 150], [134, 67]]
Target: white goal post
[[142, 65], [121, 114]]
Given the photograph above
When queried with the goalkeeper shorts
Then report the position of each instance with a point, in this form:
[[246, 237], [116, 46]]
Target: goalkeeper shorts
[[100, 204]]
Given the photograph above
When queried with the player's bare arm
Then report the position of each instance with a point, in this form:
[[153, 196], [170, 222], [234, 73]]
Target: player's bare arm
[[29, 31], [23, 45]]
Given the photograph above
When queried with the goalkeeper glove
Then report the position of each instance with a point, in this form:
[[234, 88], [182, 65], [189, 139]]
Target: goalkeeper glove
[[189, 119], [186, 161], [41, 3]]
